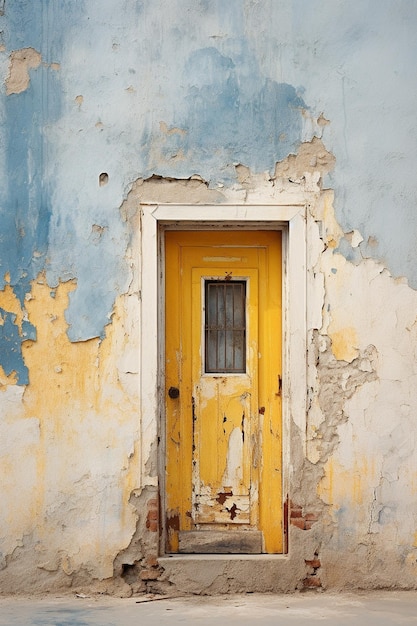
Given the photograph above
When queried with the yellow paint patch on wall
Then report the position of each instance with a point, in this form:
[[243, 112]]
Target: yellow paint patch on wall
[[413, 482], [61, 373], [346, 485], [333, 231], [9, 302], [363, 476], [70, 381], [85, 460], [344, 344], [11, 379], [325, 486]]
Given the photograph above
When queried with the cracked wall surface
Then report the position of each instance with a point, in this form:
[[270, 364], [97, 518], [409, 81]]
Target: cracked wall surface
[[104, 107]]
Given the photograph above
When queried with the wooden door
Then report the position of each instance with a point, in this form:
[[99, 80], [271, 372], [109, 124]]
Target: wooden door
[[223, 405]]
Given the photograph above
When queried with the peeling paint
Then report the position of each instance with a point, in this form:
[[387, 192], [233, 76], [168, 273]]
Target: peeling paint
[[21, 61], [311, 157], [259, 107], [233, 474]]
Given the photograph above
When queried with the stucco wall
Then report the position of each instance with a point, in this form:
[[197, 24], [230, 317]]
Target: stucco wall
[[256, 101]]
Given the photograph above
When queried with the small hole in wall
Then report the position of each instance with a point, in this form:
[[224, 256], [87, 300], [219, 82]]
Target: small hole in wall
[[103, 179], [129, 572]]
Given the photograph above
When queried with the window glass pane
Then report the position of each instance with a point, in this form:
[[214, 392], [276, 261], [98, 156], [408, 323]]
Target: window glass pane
[[225, 321], [211, 350], [229, 306], [229, 351], [239, 308]]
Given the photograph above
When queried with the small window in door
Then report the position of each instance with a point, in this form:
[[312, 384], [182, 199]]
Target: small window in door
[[225, 326]]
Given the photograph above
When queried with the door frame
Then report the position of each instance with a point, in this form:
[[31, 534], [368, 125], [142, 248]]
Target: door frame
[[155, 220]]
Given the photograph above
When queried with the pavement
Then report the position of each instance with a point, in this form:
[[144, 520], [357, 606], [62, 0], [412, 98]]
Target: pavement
[[312, 608]]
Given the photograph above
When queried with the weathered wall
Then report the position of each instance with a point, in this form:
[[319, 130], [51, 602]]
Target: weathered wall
[[102, 105]]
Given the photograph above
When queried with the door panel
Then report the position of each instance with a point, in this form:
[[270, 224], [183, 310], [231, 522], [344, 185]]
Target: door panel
[[225, 403], [223, 355]]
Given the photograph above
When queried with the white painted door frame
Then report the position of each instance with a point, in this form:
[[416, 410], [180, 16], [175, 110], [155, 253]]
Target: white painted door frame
[[291, 219]]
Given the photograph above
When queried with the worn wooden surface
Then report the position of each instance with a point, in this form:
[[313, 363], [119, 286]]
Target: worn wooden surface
[[220, 542], [223, 431]]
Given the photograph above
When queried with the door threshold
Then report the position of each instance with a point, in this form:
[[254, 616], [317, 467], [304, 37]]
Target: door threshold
[[220, 542], [169, 558], [210, 574]]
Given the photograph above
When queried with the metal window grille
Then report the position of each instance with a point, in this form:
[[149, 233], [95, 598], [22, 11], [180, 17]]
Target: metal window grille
[[225, 326]]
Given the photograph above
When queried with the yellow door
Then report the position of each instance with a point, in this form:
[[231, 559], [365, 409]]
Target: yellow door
[[223, 404]]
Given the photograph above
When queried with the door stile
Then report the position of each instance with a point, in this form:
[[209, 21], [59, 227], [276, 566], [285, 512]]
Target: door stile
[[270, 368]]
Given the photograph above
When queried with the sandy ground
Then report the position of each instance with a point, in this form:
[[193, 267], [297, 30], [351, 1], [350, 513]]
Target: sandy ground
[[375, 608]]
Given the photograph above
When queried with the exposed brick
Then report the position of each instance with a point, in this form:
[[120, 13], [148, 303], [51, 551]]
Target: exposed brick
[[299, 522], [304, 522], [149, 574], [152, 560], [295, 510], [312, 582], [314, 563], [152, 517]]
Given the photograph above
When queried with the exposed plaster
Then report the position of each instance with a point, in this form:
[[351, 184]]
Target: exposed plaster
[[84, 383], [311, 157], [337, 381], [21, 61], [352, 366], [340, 367], [171, 131], [168, 190]]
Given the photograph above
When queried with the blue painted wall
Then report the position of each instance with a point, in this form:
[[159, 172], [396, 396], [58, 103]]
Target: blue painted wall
[[235, 78]]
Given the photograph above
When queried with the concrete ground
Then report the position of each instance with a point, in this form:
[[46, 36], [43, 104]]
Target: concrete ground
[[375, 608]]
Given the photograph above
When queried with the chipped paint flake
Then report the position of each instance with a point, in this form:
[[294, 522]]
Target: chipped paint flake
[[233, 474]]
